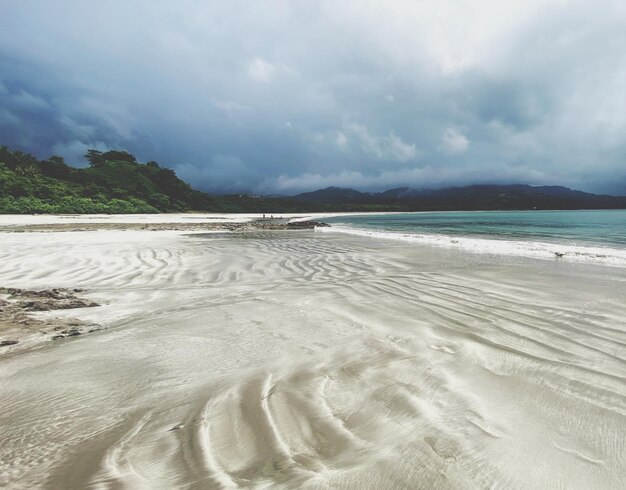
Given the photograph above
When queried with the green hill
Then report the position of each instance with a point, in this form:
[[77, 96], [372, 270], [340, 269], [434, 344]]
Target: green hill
[[113, 183]]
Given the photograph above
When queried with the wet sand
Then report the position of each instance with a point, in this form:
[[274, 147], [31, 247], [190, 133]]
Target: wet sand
[[300, 359]]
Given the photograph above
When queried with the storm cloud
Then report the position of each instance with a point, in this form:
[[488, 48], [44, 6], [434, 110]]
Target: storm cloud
[[283, 97]]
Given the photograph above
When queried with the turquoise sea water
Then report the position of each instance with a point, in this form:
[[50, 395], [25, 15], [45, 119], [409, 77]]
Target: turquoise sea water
[[592, 235], [570, 227]]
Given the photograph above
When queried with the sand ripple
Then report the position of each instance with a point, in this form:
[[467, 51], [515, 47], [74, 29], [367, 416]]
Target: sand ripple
[[309, 360]]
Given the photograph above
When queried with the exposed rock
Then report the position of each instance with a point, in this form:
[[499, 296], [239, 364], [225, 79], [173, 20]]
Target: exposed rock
[[47, 299], [16, 317], [4, 343]]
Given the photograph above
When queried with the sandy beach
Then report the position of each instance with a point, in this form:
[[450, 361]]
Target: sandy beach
[[301, 359]]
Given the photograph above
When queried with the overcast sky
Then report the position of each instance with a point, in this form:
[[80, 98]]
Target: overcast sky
[[286, 96]]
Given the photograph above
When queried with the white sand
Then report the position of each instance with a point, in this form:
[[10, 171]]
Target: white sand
[[45, 219], [308, 360]]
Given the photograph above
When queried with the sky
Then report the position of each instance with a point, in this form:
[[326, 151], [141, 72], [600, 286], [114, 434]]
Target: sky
[[281, 97]]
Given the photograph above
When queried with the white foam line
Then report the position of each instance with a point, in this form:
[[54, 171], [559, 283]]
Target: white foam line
[[601, 255]]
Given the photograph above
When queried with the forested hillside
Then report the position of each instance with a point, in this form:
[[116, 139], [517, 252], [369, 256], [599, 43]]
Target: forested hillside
[[115, 182]]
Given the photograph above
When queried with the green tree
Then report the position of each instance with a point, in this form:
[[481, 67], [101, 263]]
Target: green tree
[[119, 156], [55, 167], [94, 157]]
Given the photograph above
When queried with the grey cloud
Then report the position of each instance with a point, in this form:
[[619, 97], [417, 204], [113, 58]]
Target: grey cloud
[[222, 171], [454, 142], [280, 96], [435, 176], [388, 148], [8, 119], [28, 101]]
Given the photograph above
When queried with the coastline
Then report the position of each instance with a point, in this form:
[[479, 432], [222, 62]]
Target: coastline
[[8, 220], [601, 255], [302, 358], [201, 223]]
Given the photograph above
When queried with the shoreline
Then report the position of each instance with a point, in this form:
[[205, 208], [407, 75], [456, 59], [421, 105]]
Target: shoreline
[[160, 218], [250, 225], [604, 255]]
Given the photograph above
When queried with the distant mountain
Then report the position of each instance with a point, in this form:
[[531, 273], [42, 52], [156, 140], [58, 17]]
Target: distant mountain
[[474, 197], [116, 183]]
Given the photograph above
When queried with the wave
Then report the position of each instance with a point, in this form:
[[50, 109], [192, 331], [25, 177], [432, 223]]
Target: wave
[[615, 257]]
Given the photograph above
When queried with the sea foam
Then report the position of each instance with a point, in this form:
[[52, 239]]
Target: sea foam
[[615, 257]]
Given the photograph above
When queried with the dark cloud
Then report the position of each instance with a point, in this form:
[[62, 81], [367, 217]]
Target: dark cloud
[[287, 96]]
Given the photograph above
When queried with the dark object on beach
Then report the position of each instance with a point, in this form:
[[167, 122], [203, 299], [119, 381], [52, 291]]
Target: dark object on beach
[[305, 225], [67, 333], [278, 224], [559, 254], [4, 343]]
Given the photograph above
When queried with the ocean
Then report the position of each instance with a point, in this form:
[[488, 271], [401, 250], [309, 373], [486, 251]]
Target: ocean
[[587, 235]]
